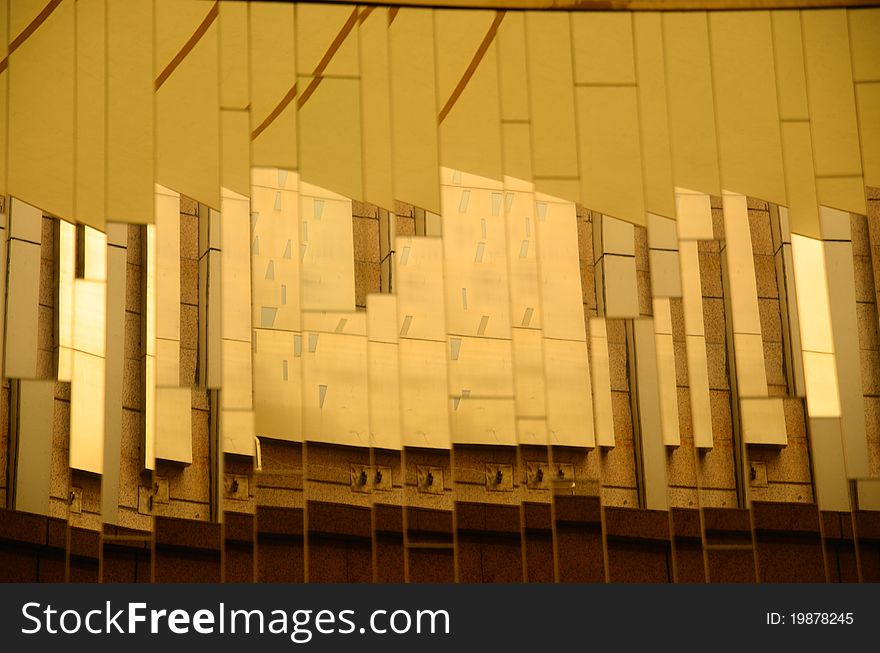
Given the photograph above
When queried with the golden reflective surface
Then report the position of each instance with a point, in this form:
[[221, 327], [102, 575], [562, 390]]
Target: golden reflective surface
[[387, 239]]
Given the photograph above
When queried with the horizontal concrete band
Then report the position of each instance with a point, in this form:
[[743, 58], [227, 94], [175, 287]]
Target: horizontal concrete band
[[490, 545], [331, 519]]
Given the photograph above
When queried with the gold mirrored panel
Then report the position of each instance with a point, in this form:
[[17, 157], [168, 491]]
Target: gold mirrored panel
[[291, 281]]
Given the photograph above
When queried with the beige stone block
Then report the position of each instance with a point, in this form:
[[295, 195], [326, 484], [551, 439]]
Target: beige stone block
[[132, 384], [589, 311], [640, 237], [416, 499], [45, 328], [773, 363], [676, 311], [685, 417], [337, 472], [62, 391], [135, 243], [869, 338], [189, 235], [722, 428], [364, 210], [281, 457], [480, 494], [588, 466], [90, 484], [710, 498], [402, 209], [279, 497], [617, 367], [199, 398], [201, 434], [777, 390], [183, 510], [477, 457], [765, 276], [243, 466], [366, 239], [188, 206], [190, 483], [710, 274], [59, 508], [618, 465], [870, 360], [391, 459], [759, 225], [189, 326], [874, 458], [366, 280], [864, 279], [715, 467], [189, 281], [709, 246], [681, 466], [188, 364], [46, 359], [875, 259], [679, 350], [132, 434], [59, 475], [643, 284], [47, 237], [716, 361], [771, 320], [133, 298], [60, 424], [789, 464], [47, 283], [129, 474], [86, 520], [622, 413], [321, 455], [132, 347], [872, 432], [616, 331], [588, 286], [470, 467], [861, 237], [873, 219], [683, 497], [718, 224], [783, 492], [248, 507], [429, 457], [755, 203], [585, 241], [4, 449], [281, 481], [795, 425], [131, 518], [405, 226], [619, 497], [713, 320]]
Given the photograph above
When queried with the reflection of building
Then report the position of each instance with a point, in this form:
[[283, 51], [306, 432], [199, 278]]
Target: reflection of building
[[283, 383]]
